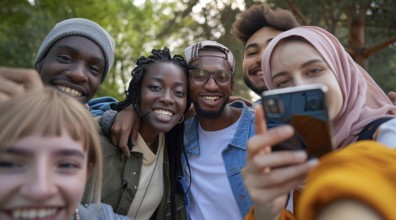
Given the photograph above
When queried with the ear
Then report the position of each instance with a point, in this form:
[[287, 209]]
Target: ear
[[232, 84], [39, 66]]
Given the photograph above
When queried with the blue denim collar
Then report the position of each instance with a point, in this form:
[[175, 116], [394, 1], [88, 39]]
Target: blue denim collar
[[241, 135]]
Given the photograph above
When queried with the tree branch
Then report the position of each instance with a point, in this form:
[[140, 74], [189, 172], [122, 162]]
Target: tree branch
[[178, 14], [294, 8], [368, 52]]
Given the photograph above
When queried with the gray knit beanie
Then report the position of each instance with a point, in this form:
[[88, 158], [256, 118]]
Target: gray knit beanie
[[79, 27]]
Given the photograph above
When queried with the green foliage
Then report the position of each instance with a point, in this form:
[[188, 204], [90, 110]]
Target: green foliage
[[338, 16], [138, 28], [20, 34], [383, 68]]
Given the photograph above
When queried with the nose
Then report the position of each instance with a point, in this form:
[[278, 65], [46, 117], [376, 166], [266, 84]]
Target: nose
[[259, 57], [40, 185], [211, 83], [78, 73], [299, 81], [167, 97]]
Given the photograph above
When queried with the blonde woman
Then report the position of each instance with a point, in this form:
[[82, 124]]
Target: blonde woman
[[46, 158]]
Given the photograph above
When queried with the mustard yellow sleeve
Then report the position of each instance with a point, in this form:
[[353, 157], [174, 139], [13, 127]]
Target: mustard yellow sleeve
[[250, 215], [285, 215]]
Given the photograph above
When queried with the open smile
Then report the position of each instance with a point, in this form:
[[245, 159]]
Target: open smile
[[33, 213], [163, 113], [258, 72], [211, 98], [211, 101], [69, 91]]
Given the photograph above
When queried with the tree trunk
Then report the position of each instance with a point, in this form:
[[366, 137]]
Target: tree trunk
[[356, 15], [356, 43]]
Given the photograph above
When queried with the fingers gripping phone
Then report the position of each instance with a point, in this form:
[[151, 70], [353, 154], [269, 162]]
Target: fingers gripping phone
[[305, 109]]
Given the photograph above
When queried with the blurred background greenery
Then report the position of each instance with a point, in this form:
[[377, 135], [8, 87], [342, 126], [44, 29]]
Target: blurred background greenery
[[367, 28]]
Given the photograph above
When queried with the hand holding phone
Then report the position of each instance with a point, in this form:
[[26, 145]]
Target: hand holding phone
[[305, 109]]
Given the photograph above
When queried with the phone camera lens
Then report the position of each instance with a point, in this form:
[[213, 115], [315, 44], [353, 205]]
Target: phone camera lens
[[273, 106], [314, 105]]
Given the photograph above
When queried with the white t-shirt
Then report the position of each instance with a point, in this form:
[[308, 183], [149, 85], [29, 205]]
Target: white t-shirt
[[211, 194], [387, 133], [151, 189]]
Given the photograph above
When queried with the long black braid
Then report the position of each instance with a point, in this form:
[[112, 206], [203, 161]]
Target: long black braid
[[174, 137]]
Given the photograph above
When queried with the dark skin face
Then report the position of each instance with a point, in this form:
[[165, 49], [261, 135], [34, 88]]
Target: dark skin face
[[75, 66], [163, 99], [210, 99]]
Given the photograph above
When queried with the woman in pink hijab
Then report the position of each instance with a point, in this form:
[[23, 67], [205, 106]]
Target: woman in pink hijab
[[301, 56], [308, 55]]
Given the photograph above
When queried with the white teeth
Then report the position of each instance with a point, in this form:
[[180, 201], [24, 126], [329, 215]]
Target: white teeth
[[32, 213], [163, 112], [69, 91], [256, 73], [214, 98]]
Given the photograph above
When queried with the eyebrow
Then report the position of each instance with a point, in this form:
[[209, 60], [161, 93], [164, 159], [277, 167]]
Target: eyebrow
[[179, 83], [256, 44], [302, 66], [278, 75], [311, 62], [252, 45], [25, 152], [69, 48]]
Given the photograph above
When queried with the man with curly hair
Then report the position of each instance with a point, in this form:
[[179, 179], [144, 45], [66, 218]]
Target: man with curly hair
[[256, 27]]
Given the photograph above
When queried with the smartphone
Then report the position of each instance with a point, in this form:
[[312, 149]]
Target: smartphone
[[304, 108]]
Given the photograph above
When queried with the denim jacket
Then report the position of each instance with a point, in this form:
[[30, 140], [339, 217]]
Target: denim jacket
[[98, 106], [234, 155]]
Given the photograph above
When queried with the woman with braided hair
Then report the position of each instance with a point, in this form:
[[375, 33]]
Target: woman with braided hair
[[145, 185]]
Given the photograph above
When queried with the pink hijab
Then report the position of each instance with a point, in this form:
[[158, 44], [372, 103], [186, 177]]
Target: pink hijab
[[364, 101]]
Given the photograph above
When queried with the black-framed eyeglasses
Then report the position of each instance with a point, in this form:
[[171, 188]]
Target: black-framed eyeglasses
[[200, 77]]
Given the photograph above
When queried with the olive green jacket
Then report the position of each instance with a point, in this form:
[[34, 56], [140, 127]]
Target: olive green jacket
[[121, 180]]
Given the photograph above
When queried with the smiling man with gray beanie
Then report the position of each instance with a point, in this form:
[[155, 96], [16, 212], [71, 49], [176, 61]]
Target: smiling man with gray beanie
[[79, 27], [75, 57]]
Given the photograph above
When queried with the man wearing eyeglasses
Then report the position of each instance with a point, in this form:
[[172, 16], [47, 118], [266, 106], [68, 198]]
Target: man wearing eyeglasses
[[216, 137]]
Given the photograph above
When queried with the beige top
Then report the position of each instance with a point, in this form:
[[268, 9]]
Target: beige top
[[151, 187]]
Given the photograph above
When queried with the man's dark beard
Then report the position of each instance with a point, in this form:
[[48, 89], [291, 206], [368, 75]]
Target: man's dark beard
[[209, 114], [251, 86]]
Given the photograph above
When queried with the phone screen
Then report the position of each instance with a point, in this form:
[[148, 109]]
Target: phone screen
[[305, 109]]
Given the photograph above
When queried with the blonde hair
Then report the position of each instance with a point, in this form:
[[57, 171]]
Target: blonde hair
[[49, 112]]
